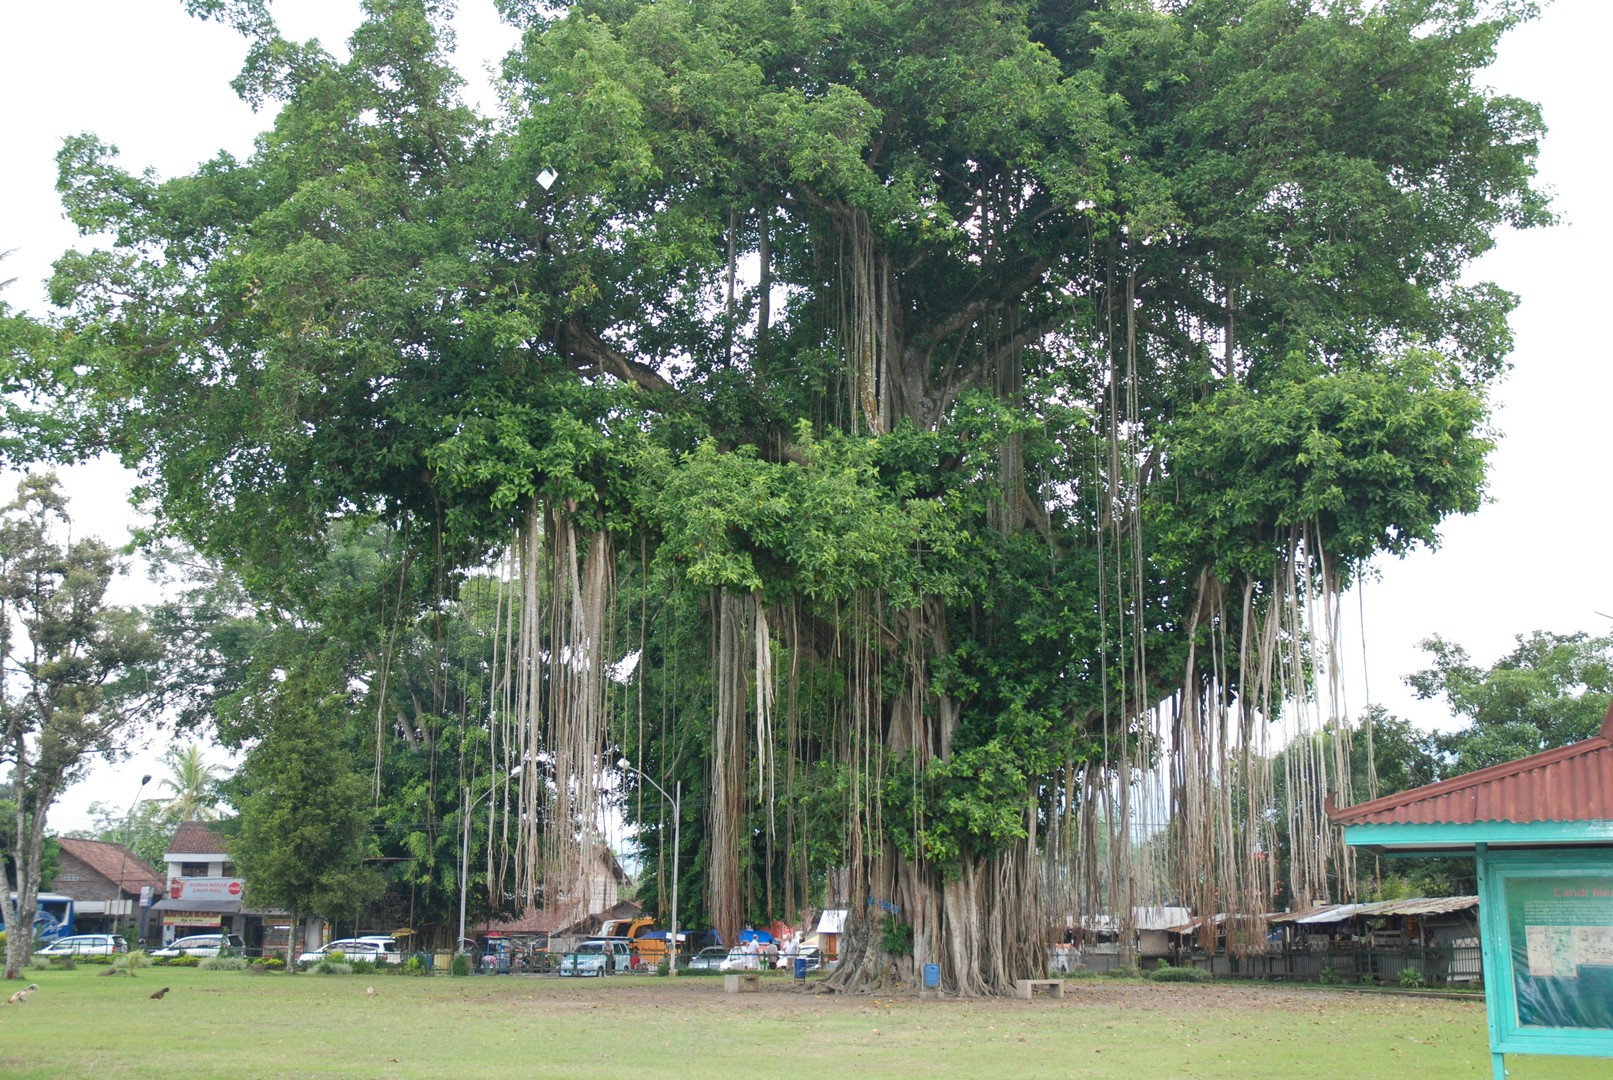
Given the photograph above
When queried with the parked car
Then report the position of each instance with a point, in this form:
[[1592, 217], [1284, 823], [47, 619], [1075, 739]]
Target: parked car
[[85, 945], [741, 960], [708, 959], [386, 944], [597, 956], [203, 945], [353, 949]]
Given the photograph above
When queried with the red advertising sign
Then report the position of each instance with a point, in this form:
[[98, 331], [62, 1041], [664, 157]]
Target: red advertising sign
[[205, 888]]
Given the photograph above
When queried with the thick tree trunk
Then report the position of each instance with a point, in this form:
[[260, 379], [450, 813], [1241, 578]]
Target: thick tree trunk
[[983, 924]]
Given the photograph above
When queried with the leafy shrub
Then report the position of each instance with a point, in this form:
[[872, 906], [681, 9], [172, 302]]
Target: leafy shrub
[[1329, 976], [94, 959], [176, 961], [415, 966], [1168, 974], [332, 967], [62, 963], [132, 961], [1080, 973], [223, 963], [896, 937], [1125, 972], [362, 967], [273, 963], [1411, 978], [460, 966]]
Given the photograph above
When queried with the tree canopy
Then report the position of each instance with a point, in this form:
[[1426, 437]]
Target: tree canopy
[[962, 412], [1549, 691], [72, 678]]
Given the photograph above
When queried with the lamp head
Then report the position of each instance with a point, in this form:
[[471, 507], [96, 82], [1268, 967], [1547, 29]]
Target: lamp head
[[146, 779], [624, 764]]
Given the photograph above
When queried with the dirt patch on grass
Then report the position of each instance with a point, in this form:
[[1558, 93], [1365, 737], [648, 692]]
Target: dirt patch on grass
[[778, 995]]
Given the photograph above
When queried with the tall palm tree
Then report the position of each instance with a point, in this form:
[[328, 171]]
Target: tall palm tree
[[194, 786]]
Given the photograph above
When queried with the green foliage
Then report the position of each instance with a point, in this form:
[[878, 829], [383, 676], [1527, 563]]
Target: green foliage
[[1329, 976], [460, 967], [1549, 691], [1411, 978], [895, 936], [74, 668], [1377, 458], [350, 363], [223, 963], [304, 814], [33, 376], [331, 966], [1167, 974], [132, 961], [416, 966]]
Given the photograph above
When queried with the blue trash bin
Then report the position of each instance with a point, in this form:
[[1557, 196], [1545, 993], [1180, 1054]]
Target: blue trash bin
[[800, 967], [932, 976]]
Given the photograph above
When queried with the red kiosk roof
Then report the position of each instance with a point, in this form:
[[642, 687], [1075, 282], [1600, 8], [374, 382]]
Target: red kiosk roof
[[1570, 783]]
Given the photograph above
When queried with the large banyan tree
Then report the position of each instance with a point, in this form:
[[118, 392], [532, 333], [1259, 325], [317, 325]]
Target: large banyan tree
[[961, 416]]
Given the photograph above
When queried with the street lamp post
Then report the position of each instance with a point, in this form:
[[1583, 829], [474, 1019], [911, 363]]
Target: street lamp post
[[128, 819], [677, 828], [464, 862]]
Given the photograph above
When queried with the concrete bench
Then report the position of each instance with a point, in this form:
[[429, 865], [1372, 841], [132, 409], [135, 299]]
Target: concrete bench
[[1023, 988], [742, 983]]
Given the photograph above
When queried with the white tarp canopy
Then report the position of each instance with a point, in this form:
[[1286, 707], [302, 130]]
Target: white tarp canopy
[[832, 922]]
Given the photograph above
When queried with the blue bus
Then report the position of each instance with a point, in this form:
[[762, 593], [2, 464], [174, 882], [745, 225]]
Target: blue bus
[[52, 919]]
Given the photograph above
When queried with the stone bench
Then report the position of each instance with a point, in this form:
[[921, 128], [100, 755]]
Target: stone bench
[[742, 983], [1023, 988]]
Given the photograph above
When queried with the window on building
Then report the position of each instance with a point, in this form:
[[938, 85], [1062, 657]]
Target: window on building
[[193, 869]]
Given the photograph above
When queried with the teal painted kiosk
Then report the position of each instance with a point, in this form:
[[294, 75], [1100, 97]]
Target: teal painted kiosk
[[1541, 832]]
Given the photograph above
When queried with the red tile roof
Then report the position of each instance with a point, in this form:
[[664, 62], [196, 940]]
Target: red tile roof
[[194, 838], [114, 862], [1570, 783]]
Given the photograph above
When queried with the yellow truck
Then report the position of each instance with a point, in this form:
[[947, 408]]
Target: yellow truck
[[648, 952]]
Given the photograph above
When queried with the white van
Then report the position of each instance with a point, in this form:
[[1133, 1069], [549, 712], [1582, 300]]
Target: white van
[[377, 949]]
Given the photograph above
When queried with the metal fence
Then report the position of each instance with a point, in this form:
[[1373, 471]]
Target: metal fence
[[1454, 965]]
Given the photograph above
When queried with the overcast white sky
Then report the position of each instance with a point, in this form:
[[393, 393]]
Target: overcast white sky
[[155, 82]]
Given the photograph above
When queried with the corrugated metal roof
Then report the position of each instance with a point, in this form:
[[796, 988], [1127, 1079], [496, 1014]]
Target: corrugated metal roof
[[1335, 913], [1420, 905], [1295, 916], [1413, 905], [1159, 918], [1570, 783]]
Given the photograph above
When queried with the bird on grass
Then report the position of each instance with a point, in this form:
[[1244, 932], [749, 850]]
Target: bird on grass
[[158, 995], [21, 996]]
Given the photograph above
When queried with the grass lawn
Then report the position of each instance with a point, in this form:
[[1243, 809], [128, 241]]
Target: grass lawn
[[236, 1025]]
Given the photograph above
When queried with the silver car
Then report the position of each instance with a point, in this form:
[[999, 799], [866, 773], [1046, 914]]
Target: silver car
[[597, 956], [85, 945], [203, 945]]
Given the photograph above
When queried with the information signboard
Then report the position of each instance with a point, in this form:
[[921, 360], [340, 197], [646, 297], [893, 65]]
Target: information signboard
[[1560, 930], [1547, 918]]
